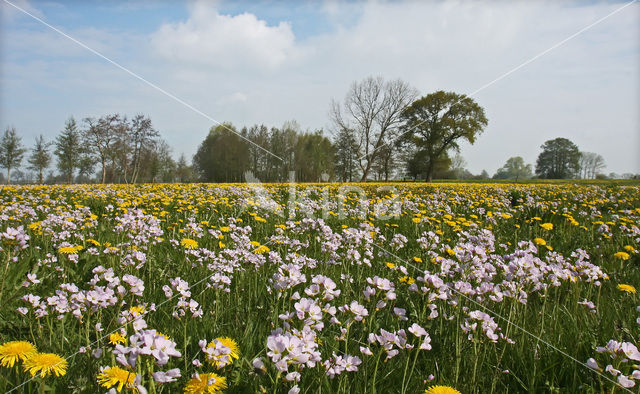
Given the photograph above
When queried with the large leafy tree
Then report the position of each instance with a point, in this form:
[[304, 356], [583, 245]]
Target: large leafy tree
[[69, 150], [514, 168], [436, 123], [40, 157], [559, 159], [11, 151]]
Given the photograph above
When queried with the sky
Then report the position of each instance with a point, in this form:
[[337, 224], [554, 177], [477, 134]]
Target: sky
[[541, 70]]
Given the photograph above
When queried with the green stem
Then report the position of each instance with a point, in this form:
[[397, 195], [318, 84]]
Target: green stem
[[375, 371], [4, 275]]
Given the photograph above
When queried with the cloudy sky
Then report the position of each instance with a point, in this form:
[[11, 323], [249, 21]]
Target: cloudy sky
[[271, 61]]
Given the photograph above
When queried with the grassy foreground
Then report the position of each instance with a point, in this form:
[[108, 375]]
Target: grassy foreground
[[320, 288]]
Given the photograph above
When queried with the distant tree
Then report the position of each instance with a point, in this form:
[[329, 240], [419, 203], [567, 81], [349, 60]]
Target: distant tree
[[590, 164], [86, 165], [69, 150], [143, 137], [372, 108], [559, 159], [11, 151], [183, 172], [283, 142], [514, 168], [40, 157], [223, 156], [313, 157], [436, 123], [458, 167], [259, 159], [346, 152], [160, 165], [416, 163], [484, 175], [101, 136]]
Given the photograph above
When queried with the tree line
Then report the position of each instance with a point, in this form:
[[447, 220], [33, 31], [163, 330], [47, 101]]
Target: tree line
[[109, 149], [382, 130]]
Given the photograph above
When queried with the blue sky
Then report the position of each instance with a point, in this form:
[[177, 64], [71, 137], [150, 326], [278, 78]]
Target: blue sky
[[268, 62]]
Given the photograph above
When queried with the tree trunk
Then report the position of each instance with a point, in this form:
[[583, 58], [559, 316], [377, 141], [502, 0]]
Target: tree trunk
[[429, 177], [365, 173], [104, 172], [8, 175]]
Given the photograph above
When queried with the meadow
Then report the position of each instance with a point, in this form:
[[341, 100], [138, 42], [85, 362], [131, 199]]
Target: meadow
[[320, 288]]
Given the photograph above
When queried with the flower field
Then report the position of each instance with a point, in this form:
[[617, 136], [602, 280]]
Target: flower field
[[330, 288]]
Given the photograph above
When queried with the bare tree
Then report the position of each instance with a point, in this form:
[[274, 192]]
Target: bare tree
[[143, 137], [373, 109], [101, 135], [590, 164]]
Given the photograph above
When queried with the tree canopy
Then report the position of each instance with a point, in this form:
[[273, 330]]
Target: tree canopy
[[437, 122], [559, 159]]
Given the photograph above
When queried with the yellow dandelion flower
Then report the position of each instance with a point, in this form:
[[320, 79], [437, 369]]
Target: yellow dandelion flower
[[630, 249], [627, 288], [117, 338], [416, 220], [189, 243], [13, 351], [261, 250], [441, 390], [539, 241], [67, 250], [45, 364], [137, 310], [450, 252], [417, 259], [391, 265], [231, 344], [113, 376], [547, 226], [621, 255], [206, 383], [259, 219], [228, 342]]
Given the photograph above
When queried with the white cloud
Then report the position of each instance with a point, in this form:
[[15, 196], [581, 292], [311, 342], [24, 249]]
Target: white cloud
[[12, 10], [225, 41]]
